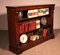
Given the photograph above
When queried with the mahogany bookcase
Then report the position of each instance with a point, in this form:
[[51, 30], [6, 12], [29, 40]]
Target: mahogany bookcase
[[17, 15]]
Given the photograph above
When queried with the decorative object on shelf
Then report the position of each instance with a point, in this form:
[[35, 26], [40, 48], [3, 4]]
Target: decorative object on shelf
[[20, 15], [23, 38], [44, 32], [43, 21], [37, 36], [37, 32], [32, 13], [37, 24], [33, 38]]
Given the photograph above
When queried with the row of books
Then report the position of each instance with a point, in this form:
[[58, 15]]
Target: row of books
[[38, 12], [34, 13], [30, 26]]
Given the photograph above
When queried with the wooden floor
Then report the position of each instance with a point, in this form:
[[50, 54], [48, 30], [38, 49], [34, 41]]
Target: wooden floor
[[50, 47]]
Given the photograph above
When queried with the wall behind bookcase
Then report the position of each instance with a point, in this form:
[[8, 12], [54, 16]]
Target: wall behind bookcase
[[4, 3]]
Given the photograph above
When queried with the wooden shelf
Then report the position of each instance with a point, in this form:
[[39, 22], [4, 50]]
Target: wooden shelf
[[30, 44], [26, 19]]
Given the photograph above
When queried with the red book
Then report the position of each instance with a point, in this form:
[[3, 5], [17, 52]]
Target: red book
[[32, 26], [21, 28], [26, 27]]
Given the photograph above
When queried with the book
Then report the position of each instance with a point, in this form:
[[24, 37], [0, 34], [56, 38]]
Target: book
[[32, 13], [44, 11], [26, 27], [21, 28], [32, 26], [37, 24]]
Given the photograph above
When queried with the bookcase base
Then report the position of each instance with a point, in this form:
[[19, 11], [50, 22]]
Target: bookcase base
[[19, 50]]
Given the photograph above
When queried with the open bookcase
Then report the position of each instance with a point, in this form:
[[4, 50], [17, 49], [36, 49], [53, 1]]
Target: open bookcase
[[29, 26]]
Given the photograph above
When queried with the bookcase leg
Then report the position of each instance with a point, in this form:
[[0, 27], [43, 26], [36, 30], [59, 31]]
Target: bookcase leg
[[17, 50], [17, 54], [52, 37]]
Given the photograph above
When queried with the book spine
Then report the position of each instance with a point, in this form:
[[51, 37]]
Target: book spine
[[32, 26], [21, 28], [26, 27]]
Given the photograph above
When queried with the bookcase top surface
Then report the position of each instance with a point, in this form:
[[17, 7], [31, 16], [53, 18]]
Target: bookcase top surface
[[30, 5]]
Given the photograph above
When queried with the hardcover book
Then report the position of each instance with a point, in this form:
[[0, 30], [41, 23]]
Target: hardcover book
[[21, 28], [26, 27], [32, 26]]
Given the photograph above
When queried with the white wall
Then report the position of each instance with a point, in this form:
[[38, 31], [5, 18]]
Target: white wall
[[57, 15], [4, 3]]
